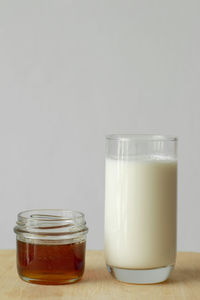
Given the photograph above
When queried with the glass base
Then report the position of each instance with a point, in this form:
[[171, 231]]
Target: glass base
[[143, 276], [49, 282]]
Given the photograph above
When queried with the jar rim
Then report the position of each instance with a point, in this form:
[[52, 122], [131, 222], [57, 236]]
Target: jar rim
[[40, 213], [141, 137], [50, 223]]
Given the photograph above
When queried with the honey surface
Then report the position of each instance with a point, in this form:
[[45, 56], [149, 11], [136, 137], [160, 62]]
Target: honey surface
[[50, 264]]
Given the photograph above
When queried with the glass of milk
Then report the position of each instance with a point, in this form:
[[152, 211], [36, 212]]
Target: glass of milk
[[140, 207]]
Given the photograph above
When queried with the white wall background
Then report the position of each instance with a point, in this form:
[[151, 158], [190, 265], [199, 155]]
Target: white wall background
[[73, 71]]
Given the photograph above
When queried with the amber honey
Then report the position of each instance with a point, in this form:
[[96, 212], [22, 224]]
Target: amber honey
[[51, 245], [50, 263]]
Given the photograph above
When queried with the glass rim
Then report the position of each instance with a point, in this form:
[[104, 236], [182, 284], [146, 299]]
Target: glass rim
[[141, 137], [50, 222]]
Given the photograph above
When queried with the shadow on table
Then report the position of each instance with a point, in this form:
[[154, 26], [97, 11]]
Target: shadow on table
[[184, 275], [97, 274]]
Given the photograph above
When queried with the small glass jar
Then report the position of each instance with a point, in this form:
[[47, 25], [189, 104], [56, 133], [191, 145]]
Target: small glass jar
[[51, 246]]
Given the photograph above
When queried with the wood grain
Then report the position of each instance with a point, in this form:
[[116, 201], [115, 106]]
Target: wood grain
[[98, 284]]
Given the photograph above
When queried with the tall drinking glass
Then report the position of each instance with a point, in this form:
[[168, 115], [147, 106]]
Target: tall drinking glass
[[140, 207]]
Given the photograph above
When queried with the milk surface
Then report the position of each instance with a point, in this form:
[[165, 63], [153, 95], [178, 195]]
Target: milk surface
[[140, 213]]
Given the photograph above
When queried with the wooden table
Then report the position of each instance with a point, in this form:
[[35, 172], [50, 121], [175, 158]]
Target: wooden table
[[98, 284]]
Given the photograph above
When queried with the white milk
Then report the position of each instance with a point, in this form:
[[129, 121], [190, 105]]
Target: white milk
[[140, 213]]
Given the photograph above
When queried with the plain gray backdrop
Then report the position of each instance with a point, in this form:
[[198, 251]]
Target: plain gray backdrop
[[72, 72]]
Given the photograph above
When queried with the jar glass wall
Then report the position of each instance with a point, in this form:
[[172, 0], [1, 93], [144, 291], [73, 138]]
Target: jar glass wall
[[51, 246]]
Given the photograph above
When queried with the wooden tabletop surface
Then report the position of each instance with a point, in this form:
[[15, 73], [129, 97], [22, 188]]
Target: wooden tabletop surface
[[97, 283]]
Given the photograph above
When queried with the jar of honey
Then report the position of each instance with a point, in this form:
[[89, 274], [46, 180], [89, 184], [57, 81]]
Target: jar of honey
[[51, 246]]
